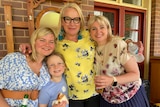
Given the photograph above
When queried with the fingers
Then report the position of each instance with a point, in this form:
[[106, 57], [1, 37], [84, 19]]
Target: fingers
[[141, 48], [25, 49], [61, 104], [102, 81]]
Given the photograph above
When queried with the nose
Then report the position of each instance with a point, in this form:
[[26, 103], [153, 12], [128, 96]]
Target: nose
[[48, 44], [98, 31]]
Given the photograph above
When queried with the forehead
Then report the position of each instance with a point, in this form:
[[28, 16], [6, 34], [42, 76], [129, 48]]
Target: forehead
[[47, 36], [99, 23], [71, 12], [54, 58]]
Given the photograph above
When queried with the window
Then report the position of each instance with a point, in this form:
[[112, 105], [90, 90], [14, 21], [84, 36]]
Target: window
[[135, 2]]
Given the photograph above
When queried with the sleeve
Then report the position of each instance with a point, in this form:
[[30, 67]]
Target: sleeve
[[44, 96], [124, 55], [5, 69]]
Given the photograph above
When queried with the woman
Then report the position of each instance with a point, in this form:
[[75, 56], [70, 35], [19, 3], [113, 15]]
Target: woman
[[77, 48], [118, 72], [20, 75]]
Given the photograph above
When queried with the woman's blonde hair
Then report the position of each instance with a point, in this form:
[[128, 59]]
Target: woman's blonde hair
[[38, 33], [102, 20], [78, 9]]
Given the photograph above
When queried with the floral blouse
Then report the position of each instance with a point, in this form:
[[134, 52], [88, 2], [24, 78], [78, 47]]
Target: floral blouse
[[109, 60], [79, 57], [15, 74]]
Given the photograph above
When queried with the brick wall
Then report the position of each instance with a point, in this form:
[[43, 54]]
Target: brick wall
[[19, 13], [155, 29]]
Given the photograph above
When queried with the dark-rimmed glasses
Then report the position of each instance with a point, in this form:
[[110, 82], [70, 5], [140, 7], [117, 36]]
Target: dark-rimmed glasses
[[67, 19]]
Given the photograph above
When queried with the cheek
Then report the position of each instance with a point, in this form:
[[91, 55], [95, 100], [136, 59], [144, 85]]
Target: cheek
[[92, 33]]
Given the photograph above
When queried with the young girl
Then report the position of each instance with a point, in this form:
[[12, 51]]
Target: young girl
[[57, 84]]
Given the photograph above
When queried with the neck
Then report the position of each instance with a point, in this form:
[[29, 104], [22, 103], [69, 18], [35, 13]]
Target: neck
[[71, 37], [56, 79]]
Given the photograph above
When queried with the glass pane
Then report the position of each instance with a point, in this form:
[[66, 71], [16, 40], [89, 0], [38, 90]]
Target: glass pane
[[135, 2], [110, 16], [131, 21], [132, 35]]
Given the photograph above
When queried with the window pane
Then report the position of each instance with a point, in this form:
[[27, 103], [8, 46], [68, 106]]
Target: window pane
[[135, 2], [132, 35], [110, 16], [131, 21]]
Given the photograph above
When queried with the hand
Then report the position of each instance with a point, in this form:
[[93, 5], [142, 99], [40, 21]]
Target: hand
[[25, 48], [102, 81], [140, 45], [141, 48], [61, 104]]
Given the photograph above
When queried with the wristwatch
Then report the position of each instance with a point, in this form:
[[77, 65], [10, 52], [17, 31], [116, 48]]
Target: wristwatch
[[114, 81]]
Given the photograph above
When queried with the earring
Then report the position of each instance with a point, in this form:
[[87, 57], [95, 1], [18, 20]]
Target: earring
[[61, 35], [79, 35]]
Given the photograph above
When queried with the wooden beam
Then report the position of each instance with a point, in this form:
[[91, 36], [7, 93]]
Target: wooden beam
[[20, 24], [9, 28]]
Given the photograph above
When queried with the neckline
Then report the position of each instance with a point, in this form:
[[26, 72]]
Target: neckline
[[62, 37]]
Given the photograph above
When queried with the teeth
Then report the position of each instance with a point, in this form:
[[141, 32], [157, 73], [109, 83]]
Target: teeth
[[57, 71]]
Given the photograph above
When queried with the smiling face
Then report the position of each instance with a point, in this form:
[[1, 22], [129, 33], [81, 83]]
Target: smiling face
[[99, 33], [71, 28], [45, 45], [56, 66]]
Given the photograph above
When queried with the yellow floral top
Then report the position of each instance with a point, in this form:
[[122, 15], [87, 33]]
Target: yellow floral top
[[79, 58]]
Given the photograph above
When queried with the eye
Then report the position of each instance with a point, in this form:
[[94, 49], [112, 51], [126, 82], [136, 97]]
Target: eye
[[93, 28], [67, 18], [77, 19], [102, 27], [42, 40], [52, 42]]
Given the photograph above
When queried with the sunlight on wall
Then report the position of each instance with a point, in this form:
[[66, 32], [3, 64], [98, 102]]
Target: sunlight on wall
[[50, 19]]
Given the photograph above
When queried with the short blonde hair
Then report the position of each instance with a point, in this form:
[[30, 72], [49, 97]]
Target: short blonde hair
[[38, 33], [78, 9]]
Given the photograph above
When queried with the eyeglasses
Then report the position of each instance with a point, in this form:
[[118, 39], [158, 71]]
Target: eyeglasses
[[76, 20]]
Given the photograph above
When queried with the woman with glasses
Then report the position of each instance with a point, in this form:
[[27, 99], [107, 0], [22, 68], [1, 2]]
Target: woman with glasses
[[76, 46]]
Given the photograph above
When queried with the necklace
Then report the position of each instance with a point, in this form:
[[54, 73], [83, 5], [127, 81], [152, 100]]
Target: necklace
[[100, 54]]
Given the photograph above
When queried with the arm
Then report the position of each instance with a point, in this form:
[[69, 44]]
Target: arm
[[2, 101], [132, 74]]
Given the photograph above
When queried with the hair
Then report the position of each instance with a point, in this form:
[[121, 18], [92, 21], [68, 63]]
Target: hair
[[56, 54], [78, 9], [103, 21], [38, 33]]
